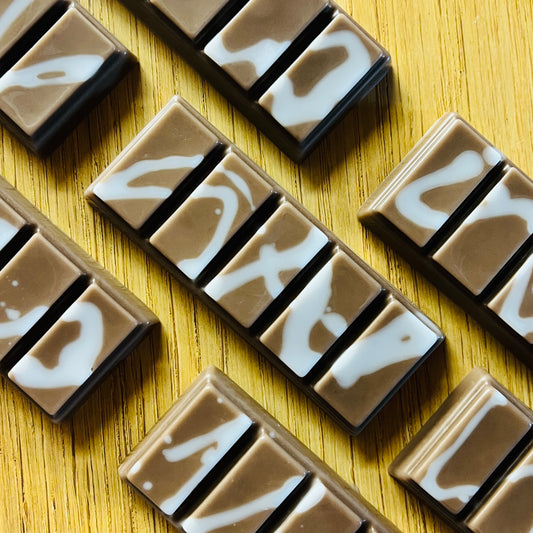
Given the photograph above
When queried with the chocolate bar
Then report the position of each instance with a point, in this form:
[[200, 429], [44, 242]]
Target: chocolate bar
[[64, 321], [288, 286], [471, 462], [57, 63], [217, 461], [293, 68], [462, 213]]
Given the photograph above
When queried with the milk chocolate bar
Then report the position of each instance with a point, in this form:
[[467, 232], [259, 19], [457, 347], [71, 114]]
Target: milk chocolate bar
[[57, 63], [462, 213], [219, 462], [293, 68], [471, 461], [238, 241], [64, 321]]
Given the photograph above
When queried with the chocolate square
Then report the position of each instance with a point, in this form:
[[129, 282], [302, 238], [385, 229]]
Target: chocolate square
[[10, 223]]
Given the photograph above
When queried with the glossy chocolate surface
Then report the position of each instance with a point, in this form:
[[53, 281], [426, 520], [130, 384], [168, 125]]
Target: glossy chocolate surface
[[461, 212], [293, 68], [265, 265], [218, 462], [64, 321], [459, 462], [68, 68]]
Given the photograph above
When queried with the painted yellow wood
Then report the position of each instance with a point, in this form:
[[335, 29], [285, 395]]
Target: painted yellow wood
[[475, 57]]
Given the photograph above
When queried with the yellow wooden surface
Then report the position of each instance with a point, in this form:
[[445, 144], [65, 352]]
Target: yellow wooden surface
[[472, 56]]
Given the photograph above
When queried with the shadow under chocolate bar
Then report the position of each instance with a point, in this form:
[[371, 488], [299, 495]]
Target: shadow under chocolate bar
[[218, 461], [255, 256], [65, 322], [293, 68], [56, 63], [472, 461], [462, 213]]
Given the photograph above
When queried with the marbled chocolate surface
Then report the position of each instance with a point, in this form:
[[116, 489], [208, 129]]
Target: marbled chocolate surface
[[320, 314], [29, 285], [366, 372], [211, 215], [64, 59], [491, 234], [154, 164], [72, 349], [333, 64], [254, 39], [514, 303], [10, 223], [257, 275], [448, 168]]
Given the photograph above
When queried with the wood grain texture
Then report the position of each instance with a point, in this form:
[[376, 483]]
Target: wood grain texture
[[472, 57]]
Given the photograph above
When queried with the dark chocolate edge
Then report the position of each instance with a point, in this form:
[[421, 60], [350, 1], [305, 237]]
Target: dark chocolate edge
[[334, 243], [65, 119], [402, 463], [476, 306], [263, 421], [91, 271], [237, 96]]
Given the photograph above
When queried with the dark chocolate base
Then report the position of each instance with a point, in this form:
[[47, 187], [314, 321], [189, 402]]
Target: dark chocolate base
[[246, 101]]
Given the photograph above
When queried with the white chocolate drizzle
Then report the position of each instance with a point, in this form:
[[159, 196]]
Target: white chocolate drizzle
[[18, 324], [312, 498], [403, 338], [304, 313], [510, 309], [268, 501], [216, 444], [463, 493], [291, 110], [466, 166], [12, 13], [76, 359], [520, 473], [261, 55], [193, 267], [269, 266], [7, 232], [65, 70], [117, 186]]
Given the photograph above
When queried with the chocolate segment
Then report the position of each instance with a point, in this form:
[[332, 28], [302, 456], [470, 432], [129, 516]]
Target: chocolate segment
[[153, 166], [254, 39], [26, 297], [190, 16], [461, 212], [320, 510], [217, 462], [294, 68], [69, 69], [368, 370], [16, 19], [514, 303], [333, 64], [465, 451], [85, 335], [266, 265], [212, 214], [10, 224], [258, 259], [509, 508], [64, 321], [321, 313], [491, 234]]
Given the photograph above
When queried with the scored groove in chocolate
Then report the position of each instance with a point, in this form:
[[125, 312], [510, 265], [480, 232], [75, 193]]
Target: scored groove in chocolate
[[242, 74], [252, 275], [477, 243], [52, 292], [466, 452], [287, 479]]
